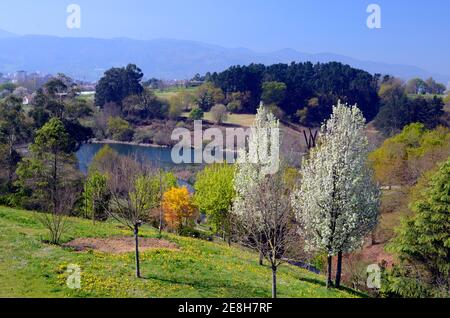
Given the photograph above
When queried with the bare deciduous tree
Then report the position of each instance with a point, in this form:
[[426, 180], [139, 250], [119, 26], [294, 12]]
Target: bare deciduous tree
[[55, 221], [129, 184]]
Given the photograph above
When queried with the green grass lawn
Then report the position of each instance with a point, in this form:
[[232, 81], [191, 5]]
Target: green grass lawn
[[245, 120], [428, 96], [31, 268], [167, 93]]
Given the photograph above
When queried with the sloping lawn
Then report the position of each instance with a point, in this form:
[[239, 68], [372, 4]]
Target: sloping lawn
[[31, 268]]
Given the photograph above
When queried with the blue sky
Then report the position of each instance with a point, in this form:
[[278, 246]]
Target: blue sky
[[413, 32]]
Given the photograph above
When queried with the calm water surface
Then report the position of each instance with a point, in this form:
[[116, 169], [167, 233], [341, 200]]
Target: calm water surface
[[157, 155]]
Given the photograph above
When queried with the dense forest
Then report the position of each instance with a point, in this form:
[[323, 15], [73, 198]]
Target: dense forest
[[303, 91]]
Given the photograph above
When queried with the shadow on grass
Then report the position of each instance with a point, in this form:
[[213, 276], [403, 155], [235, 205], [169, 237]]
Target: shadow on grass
[[342, 288], [208, 285], [315, 281]]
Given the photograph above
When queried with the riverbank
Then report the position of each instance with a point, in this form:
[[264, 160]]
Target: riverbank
[[130, 143]]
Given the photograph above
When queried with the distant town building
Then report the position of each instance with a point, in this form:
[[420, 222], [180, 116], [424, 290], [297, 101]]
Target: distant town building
[[87, 93], [20, 77]]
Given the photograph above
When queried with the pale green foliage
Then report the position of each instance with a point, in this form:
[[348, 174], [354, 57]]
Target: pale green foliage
[[119, 129], [148, 190], [214, 194], [96, 196], [144, 195], [175, 106], [196, 114], [403, 158], [337, 200], [104, 160]]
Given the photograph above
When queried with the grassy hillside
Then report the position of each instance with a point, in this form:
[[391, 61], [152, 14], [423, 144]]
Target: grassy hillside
[[31, 268]]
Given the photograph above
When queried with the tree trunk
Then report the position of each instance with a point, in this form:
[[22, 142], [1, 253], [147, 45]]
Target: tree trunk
[[10, 166], [93, 211], [229, 228], [339, 270], [136, 240], [329, 280], [373, 239], [55, 181], [261, 258], [160, 221], [274, 282], [160, 202]]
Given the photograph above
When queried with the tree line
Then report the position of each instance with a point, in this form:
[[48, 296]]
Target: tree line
[[304, 92], [398, 109], [298, 92]]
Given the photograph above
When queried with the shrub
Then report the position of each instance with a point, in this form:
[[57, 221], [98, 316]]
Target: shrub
[[143, 136], [276, 111], [447, 99], [208, 95], [191, 232], [234, 106], [162, 138], [119, 129], [104, 160], [180, 124], [422, 240], [196, 114], [219, 113], [175, 106]]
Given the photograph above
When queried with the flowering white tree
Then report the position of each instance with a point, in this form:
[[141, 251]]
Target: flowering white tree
[[337, 201], [259, 159], [261, 207]]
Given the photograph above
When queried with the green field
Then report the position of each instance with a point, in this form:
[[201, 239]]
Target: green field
[[245, 120], [31, 268], [427, 96], [167, 93]]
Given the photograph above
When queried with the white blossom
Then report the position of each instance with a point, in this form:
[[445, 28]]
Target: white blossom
[[259, 159], [337, 200]]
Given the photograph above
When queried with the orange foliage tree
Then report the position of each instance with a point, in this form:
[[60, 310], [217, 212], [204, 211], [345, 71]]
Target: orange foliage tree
[[179, 209]]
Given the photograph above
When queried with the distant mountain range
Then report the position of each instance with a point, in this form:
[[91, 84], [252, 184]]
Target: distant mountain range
[[6, 34], [88, 58]]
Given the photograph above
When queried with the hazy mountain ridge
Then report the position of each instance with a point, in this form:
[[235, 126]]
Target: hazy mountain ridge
[[6, 34], [88, 58]]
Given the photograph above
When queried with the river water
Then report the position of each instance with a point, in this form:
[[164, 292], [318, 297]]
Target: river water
[[156, 155], [159, 156]]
